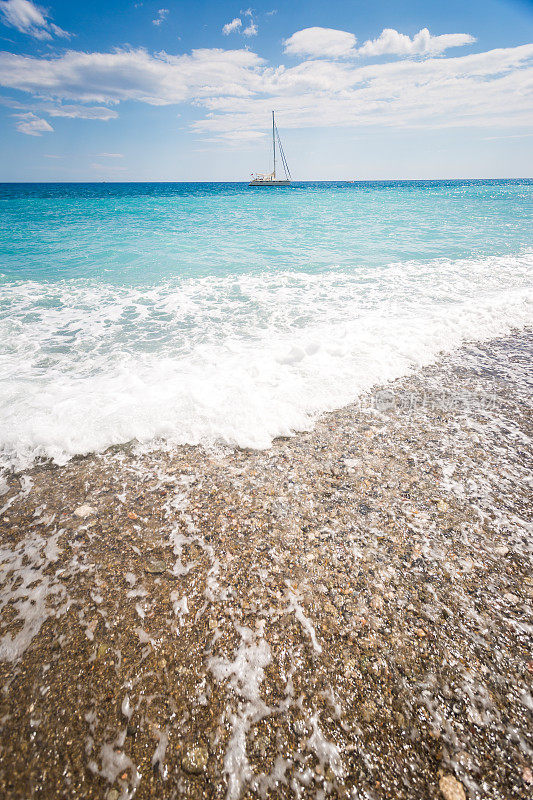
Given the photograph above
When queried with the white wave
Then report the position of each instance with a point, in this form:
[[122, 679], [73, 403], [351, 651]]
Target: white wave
[[238, 359]]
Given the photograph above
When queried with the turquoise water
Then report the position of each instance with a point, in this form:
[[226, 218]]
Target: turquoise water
[[141, 233], [215, 312]]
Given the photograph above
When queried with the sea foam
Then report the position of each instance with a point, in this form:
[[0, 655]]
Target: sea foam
[[237, 359]]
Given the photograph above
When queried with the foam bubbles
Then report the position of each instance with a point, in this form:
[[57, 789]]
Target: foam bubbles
[[236, 359]]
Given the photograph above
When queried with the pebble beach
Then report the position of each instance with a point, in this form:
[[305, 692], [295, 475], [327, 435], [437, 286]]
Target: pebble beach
[[345, 614]]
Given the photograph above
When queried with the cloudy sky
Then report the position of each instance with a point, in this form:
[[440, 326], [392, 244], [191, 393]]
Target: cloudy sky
[[165, 90]]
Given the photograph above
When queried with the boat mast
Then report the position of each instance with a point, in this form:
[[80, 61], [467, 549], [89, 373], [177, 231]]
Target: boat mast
[[274, 143]]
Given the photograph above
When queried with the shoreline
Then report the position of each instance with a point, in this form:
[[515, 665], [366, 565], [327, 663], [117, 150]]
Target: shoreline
[[347, 612]]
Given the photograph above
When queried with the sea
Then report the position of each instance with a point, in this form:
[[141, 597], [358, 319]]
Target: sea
[[214, 313]]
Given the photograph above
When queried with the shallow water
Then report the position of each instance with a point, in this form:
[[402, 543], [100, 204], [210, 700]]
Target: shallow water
[[346, 614], [200, 313]]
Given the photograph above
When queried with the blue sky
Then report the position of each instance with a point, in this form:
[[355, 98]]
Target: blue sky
[[182, 91]]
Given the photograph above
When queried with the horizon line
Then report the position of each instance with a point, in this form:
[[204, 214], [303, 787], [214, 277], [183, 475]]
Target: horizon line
[[246, 182]]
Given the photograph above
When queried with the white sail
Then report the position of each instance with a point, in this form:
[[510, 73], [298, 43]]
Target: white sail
[[270, 179]]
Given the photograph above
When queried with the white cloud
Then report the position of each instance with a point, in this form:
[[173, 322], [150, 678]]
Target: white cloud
[[234, 90], [246, 136], [103, 113], [31, 124], [331, 43], [232, 26], [483, 89], [109, 155], [236, 139], [512, 136], [162, 14], [321, 43], [236, 25], [251, 29], [390, 42], [159, 79], [28, 18], [80, 112]]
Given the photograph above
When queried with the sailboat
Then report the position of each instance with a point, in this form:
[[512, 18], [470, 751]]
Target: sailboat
[[270, 179]]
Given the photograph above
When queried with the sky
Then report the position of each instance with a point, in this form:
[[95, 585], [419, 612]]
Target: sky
[[133, 90]]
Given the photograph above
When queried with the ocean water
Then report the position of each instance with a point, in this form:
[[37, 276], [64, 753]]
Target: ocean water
[[205, 313]]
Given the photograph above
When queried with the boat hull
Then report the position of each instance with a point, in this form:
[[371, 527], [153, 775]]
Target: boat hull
[[269, 183]]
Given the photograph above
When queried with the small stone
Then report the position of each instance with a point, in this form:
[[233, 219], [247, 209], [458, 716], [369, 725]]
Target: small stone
[[364, 509], [451, 788], [420, 632], [369, 711], [84, 511], [501, 551], [102, 650], [195, 760], [511, 598], [112, 794], [527, 776], [441, 505], [350, 667], [466, 760], [400, 719], [155, 566]]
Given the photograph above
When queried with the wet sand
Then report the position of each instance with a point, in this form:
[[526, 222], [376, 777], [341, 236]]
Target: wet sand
[[346, 615]]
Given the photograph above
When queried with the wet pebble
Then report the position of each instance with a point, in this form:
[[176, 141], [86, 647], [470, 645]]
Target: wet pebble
[[84, 511], [451, 788], [466, 760], [155, 566], [369, 711], [350, 666], [102, 650], [511, 598], [195, 760]]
